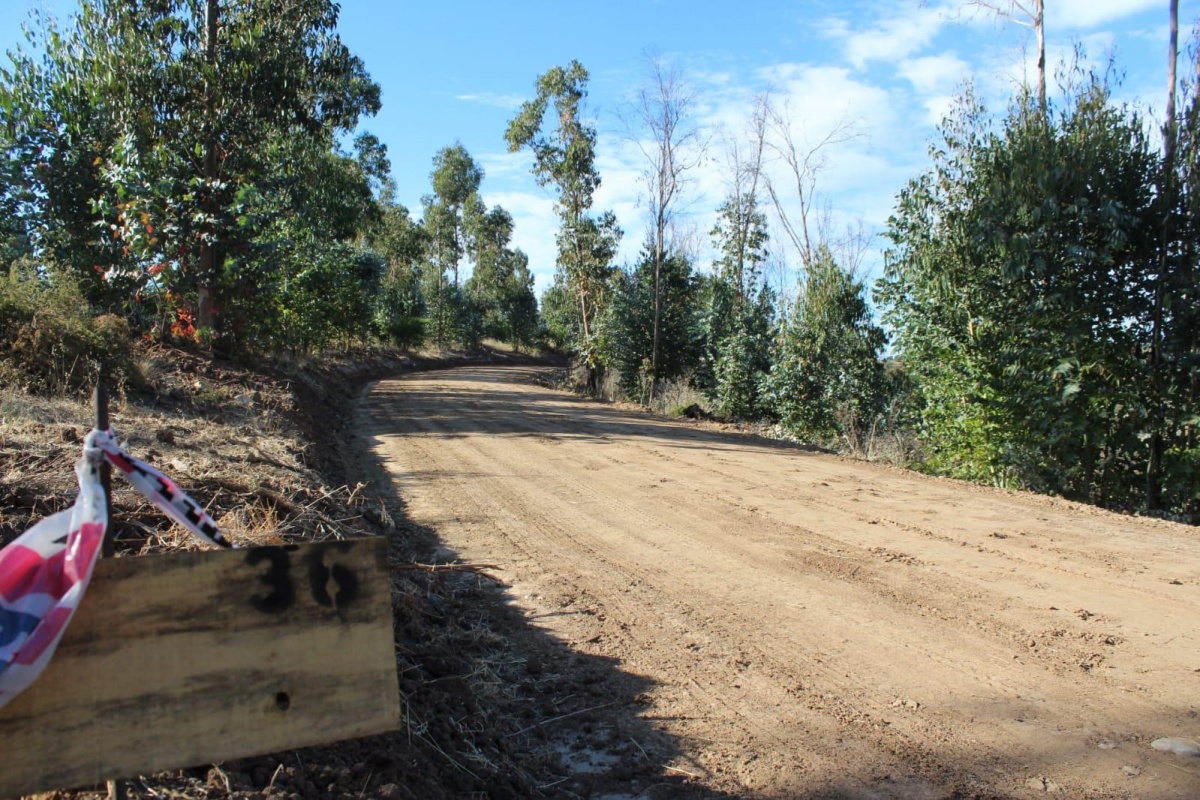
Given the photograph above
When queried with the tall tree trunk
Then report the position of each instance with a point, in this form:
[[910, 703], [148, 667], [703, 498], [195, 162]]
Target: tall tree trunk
[[1154, 463], [1039, 26], [208, 248], [658, 259]]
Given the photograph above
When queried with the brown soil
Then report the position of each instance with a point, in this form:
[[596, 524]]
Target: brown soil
[[632, 607], [674, 609]]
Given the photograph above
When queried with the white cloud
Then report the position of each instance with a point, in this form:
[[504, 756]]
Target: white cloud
[[823, 97], [504, 166], [534, 226], [938, 107], [930, 75], [505, 101], [1066, 14], [890, 39]]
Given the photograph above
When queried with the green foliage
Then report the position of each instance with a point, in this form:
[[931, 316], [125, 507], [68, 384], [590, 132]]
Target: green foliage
[[400, 303], [1020, 284], [50, 341], [325, 294], [400, 308], [565, 158], [742, 359], [502, 289], [740, 236], [560, 315], [740, 313], [626, 329], [137, 151], [501, 286], [827, 383], [53, 131], [455, 176]]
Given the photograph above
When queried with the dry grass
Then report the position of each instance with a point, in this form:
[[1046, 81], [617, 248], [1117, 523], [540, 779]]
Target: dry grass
[[240, 443], [225, 434], [675, 396]]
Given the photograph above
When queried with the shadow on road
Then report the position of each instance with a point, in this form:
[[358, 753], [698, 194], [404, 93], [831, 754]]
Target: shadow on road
[[559, 414], [499, 707]]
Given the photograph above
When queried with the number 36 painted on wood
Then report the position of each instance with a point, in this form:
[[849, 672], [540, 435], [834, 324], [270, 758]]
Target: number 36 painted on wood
[[332, 585]]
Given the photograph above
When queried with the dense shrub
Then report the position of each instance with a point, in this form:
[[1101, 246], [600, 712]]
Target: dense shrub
[[50, 341]]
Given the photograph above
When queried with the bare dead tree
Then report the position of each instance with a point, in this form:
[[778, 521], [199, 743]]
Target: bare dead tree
[[1029, 14], [849, 245], [744, 184], [804, 162], [672, 146]]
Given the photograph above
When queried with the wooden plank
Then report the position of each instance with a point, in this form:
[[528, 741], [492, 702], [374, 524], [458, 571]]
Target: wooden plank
[[198, 657]]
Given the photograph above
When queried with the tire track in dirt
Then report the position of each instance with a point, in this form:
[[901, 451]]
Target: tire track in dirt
[[794, 630], [1118, 593]]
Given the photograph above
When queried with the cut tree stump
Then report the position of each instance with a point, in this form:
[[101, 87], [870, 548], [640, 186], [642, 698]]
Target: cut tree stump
[[199, 657]]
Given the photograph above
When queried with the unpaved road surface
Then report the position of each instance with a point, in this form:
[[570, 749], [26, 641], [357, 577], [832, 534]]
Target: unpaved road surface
[[751, 619]]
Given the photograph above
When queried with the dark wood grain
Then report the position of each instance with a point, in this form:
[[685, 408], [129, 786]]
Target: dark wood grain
[[198, 657]]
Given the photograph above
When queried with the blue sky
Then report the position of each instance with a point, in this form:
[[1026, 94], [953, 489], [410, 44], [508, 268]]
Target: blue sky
[[456, 70]]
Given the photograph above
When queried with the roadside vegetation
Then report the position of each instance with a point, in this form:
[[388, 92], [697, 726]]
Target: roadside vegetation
[[194, 173]]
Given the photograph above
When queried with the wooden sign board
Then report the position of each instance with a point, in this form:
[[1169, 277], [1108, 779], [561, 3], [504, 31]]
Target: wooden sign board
[[194, 658]]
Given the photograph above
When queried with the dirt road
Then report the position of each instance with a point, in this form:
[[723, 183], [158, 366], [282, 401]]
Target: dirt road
[[747, 618]]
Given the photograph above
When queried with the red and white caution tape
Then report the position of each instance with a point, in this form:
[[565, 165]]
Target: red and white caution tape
[[161, 490], [46, 570]]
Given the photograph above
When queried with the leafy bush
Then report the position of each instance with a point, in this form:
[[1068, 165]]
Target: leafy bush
[[50, 342], [826, 383], [399, 308]]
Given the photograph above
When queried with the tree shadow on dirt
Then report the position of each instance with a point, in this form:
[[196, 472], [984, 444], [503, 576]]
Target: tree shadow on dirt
[[496, 707], [525, 410]]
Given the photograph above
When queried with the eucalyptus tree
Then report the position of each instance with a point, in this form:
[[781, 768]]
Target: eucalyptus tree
[[671, 147], [500, 286], [565, 157], [443, 251], [794, 192], [628, 325], [54, 134], [740, 308], [740, 233], [176, 116], [1175, 480], [402, 241], [740, 313], [826, 381], [1021, 286], [455, 179], [1169, 191]]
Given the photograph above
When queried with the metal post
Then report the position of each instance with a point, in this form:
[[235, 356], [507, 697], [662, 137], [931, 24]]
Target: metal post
[[116, 788], [100, 401]]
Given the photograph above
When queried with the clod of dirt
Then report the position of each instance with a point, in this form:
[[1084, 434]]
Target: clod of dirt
[[1040, 784], [1180, 747], [911, 705]]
